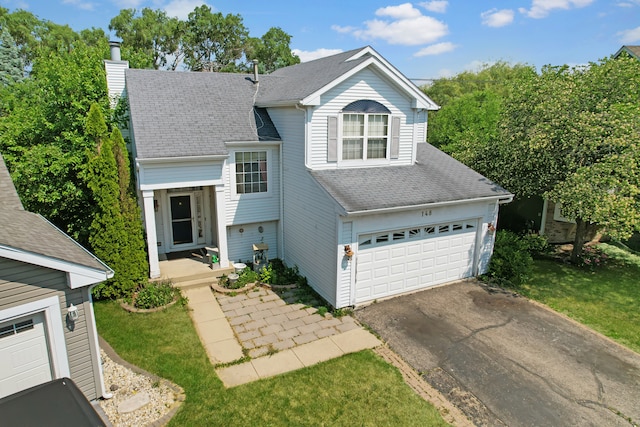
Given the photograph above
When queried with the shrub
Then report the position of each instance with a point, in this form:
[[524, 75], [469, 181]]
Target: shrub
[[156, 294], [536, 244], [592, 257], [511, 262]]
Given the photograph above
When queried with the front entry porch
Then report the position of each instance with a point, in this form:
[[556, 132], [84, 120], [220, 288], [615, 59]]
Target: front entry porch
[[189, 269]]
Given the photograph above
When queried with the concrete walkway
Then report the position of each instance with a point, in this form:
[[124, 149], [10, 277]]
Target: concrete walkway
[[279, 337]]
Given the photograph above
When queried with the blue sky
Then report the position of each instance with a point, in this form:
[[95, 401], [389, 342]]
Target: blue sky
[[427, 39]]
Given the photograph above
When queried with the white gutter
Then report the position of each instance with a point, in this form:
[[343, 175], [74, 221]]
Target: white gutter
[[181, 159], [501, 200]]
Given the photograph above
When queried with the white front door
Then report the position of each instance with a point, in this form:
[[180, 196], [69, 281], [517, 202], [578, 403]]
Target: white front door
[[24, 354]]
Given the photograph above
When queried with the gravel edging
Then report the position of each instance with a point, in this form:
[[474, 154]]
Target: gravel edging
[[133, 371]]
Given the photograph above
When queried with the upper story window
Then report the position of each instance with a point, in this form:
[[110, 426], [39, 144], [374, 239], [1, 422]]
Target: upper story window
[[368, 132], [251, 172], [365, 130], [364, 136]]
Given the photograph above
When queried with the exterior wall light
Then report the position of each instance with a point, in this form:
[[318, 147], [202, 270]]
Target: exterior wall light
[[347, 251], [72, 313]]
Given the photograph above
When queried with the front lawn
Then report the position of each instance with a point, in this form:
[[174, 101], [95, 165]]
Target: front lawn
[[357, 389], [606, 299]]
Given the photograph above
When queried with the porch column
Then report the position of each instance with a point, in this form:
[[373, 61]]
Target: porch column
[[221, 224], [150, 228]]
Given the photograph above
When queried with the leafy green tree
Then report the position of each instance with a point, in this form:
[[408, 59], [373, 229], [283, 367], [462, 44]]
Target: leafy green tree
[[150, 38], [467, 126], [496, 77], [11, 66], [573, 136], [272, 50], [42, 134], [110, 238], [35, 37], [213, 41]]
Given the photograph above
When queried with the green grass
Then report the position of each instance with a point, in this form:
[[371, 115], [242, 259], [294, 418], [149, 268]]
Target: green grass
[[359, 389], [605, 300]]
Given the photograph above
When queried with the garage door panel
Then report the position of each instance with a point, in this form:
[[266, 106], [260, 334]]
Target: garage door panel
[[440, 254], [399, 252], [24, 355], [397, 269]]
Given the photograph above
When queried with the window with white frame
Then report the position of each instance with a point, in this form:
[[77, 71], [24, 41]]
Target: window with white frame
[[365, 131], [365, 136], [251, 172]]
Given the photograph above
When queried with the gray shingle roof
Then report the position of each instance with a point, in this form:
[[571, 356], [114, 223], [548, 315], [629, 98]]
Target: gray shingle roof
[[631, 50], [177, 114], [26, 231], [8, 196], [291, 84], [435, 178]]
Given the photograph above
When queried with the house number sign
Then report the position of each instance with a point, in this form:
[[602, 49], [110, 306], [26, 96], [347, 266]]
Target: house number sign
[[427, 212]]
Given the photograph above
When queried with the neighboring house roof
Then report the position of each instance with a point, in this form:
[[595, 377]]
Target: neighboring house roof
[[631, 50], [184, 114], [29, 233], [434, 178]]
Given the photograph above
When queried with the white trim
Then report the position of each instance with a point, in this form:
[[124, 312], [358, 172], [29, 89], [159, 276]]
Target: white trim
[[152, 237], [91, 326], [50, 307], [543, 220], [78, 275], [234, 195], [500, 199], [420, 100], [156, 160]]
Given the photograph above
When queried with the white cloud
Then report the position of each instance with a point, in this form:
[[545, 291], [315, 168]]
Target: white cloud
[[84, 5], [402, 11], [541, 8], [129, 4], [497, 18], [630, 36], [436, 49], [405, 25], [343, 30], [628, 3], [182, 8], [436, 6], [310, 55]]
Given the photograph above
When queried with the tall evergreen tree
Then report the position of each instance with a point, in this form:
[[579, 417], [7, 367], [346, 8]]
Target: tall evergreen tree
[[110, 236], [11, 66]]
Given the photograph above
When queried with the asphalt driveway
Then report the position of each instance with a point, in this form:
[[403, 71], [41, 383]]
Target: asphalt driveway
[[506, 361]]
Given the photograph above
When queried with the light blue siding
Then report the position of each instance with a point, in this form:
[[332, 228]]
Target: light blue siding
[[309, 216]]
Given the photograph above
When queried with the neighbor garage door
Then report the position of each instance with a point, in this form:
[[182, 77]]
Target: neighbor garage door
[[24, 354], [402, 260]]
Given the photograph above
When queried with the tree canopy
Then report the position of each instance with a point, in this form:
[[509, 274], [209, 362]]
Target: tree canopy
[[570, 134]]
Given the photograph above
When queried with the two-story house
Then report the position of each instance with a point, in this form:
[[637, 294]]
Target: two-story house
[[324, 161]]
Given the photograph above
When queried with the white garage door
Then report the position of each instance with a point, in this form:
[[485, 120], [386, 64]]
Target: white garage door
[[24, 354], [398, 261]]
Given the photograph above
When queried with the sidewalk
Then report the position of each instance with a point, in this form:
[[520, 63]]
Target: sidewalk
[[279, 337]]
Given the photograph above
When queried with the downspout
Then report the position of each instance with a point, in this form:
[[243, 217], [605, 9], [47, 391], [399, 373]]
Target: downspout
[[306, 134], [103, 390]]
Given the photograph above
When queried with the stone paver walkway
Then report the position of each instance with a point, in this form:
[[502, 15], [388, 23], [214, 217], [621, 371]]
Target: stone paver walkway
[[277, 336], [264, 323]]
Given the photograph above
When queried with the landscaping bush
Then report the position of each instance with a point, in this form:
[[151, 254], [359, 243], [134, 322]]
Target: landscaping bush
[[246, 276], [511, 261], [155, 294], [537, 245], [592, 257]]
